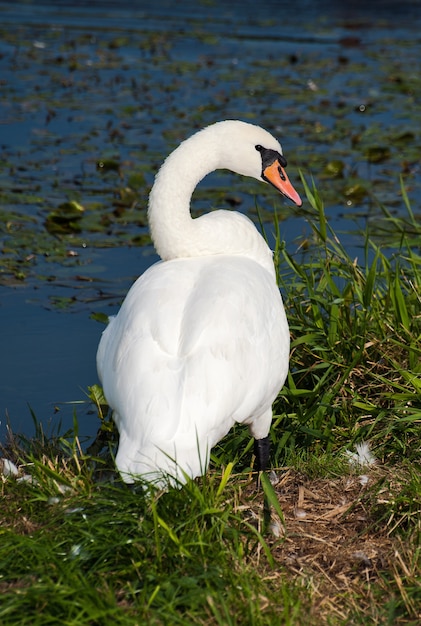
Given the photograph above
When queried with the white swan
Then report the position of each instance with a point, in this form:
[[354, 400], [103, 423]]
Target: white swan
[[201, 340]]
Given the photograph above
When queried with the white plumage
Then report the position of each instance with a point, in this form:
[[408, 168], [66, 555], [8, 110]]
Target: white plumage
[[201, 340]]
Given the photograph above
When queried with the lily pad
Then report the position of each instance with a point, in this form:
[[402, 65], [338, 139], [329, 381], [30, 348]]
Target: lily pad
[[377, 154], [355, 192], [108, 164], [334, 169], [65, 219]]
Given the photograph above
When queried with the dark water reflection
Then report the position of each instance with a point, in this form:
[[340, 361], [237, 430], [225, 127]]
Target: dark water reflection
[[284, 12], [80, 80]]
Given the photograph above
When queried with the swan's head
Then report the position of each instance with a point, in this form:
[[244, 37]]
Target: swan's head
[[240, 147], [252, 151]]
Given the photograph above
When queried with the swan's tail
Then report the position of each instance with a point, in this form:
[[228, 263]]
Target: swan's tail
[[159, 467]]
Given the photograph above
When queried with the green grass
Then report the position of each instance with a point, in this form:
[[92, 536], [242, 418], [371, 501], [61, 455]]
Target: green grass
[[356, 343], [78, 547]]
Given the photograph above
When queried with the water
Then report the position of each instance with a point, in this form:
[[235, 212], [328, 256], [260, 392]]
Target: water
[[123, 83]]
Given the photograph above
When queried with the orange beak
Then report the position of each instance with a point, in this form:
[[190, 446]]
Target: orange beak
[[276, 175]]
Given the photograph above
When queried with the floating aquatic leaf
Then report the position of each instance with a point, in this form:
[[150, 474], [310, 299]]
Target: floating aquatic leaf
[[107, 164], [64, 219], [377, 154], [403, 138], [136, 180], [71, 207], [334, 169], [355, 192], [62, 223], [127, 197], [100, 317], [62, 302]]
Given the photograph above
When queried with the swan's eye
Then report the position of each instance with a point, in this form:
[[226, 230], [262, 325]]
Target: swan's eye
[[259, 148]]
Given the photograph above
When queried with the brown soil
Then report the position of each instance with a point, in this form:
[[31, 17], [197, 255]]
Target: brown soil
[[335, 542]]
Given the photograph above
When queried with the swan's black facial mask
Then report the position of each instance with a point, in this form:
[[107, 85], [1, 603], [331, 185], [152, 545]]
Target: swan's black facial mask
[[273, 172], [270, 156]]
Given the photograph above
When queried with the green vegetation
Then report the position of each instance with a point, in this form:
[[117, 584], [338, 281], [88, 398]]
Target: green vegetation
[[343, 543]]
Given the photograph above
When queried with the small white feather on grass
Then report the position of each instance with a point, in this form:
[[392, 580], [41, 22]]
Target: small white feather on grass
[[7, 468], [362, 457]]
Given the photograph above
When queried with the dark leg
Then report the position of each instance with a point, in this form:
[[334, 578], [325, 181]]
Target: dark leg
[[261, 450]]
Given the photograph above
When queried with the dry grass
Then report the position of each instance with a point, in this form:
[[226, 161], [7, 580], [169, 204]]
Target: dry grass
[[335, 543]]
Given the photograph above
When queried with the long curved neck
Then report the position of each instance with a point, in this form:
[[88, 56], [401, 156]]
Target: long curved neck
[[173, 229], [174, 232]]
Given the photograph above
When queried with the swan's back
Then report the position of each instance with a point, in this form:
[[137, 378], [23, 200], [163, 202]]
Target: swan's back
[[198, 345]]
